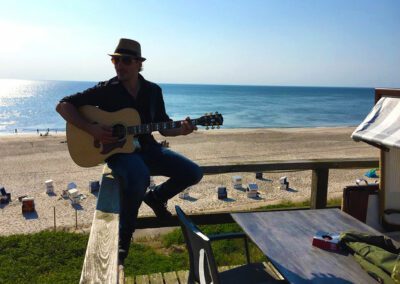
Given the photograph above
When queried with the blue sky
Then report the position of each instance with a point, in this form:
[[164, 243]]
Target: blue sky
[[280, 42]]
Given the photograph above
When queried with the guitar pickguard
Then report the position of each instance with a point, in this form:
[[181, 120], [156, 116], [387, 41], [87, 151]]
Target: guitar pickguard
[[107, 148]]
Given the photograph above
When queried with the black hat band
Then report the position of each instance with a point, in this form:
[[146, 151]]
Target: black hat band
[[126, 51]]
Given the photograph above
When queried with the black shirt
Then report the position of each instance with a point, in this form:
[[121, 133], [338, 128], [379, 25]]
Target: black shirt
[[111, 96]]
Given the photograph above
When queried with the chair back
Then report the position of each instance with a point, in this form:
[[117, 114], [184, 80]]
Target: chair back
[[203, 268]]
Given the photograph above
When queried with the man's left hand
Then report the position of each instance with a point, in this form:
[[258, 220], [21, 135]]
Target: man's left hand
[[187, 127]]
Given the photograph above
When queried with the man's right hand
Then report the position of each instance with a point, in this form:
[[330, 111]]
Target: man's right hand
[[102, 133]]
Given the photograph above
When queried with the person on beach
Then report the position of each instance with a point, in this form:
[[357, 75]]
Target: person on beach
[[130, 90]]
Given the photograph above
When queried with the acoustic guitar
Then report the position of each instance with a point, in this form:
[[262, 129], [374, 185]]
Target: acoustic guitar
[[86, 151]]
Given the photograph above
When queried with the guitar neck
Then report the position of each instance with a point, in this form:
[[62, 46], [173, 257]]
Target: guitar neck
[[158, 126]]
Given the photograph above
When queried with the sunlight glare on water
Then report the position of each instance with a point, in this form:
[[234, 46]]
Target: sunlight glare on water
[[12, 89]]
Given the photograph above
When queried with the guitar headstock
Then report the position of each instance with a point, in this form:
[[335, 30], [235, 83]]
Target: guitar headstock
[[211, 120]]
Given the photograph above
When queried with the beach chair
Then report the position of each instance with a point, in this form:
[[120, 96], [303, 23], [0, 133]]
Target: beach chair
[[203, 268], [381, 129]]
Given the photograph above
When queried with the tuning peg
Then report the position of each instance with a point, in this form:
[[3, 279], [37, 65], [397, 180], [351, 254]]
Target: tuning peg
[[217, 126], [212, 127], [207, 127]]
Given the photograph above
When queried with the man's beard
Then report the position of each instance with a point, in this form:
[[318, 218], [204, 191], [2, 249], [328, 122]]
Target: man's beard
[[122, 76]]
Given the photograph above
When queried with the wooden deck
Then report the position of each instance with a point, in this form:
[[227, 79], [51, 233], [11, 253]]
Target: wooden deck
[[174, 277], [181, 277], [101, 259]]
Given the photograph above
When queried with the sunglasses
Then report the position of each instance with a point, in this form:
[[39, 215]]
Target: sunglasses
[[126, 60]]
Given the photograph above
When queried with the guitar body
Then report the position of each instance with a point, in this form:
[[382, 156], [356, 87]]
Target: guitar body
[[85, 151]]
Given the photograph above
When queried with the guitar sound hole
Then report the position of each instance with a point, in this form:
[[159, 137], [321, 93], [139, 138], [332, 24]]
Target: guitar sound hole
[[119, 131]]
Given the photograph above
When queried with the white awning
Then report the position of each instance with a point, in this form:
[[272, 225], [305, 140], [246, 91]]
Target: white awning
[[381, 127]]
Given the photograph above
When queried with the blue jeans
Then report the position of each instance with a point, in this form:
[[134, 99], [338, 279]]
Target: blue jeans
[[135, 170]]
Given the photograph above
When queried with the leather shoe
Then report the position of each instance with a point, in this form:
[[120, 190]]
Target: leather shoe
[[159, 207]]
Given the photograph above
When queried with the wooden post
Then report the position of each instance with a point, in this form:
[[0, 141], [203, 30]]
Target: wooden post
[[319, 188], [101, 259], [54, 213]]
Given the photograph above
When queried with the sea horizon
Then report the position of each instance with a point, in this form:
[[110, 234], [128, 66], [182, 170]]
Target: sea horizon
[[204, 84], [28, 105]]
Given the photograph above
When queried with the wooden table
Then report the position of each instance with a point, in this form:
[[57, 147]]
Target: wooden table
[[285, 237]]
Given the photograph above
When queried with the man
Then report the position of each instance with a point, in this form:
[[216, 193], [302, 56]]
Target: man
[[130, 89]]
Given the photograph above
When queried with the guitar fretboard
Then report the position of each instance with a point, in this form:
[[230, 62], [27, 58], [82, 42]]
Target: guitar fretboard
[[150, 127]]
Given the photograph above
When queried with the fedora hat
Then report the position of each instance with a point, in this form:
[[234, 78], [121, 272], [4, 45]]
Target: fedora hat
[[128, 47]]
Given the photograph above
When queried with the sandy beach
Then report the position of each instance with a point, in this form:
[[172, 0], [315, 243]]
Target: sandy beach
[[27, 161]]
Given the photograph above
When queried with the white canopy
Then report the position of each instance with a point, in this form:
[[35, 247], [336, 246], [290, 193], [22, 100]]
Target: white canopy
[[381, 127]]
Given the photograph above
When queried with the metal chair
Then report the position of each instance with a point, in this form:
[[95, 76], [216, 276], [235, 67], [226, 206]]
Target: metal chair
[[203, 268]]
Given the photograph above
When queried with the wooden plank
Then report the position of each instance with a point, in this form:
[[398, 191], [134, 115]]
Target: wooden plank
[[121, 274], [183, 276], [289, 246], [156, 278], [223, 268], [101, 259], [171, 277], [382, 92], [142, 279], [144, 222], [357, 163], [129, 280], [319, 188]]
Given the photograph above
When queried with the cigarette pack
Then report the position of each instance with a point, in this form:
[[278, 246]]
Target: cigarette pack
[[326, 241]]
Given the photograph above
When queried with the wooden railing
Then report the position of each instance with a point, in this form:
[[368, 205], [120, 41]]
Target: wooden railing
[[383, 92], [100, 265], [101, 258], [319, 184]]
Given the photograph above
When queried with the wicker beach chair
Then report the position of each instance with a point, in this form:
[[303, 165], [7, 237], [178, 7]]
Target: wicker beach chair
[[380, 128]]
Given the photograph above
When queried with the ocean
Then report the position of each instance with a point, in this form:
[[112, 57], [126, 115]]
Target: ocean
[[30, 105]]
